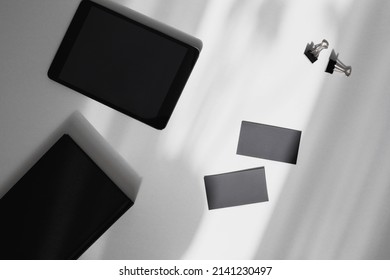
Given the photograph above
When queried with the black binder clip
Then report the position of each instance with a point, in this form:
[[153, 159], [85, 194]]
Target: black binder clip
[[312, 51], [335, 64]]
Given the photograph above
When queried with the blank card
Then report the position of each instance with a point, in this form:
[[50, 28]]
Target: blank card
[[269, 142], [236, 188]]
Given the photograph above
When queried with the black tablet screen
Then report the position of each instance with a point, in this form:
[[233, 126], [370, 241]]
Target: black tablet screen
[[124, 64], [63, 204]]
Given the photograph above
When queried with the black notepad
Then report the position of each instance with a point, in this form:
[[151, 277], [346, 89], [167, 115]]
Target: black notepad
[[63, 204], [126, 61]]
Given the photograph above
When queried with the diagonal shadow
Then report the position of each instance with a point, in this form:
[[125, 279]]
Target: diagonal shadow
[[335, 203], [170, 204]]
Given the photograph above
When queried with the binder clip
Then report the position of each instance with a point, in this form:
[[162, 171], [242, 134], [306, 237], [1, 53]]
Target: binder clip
[[312, 51], [335, 64]]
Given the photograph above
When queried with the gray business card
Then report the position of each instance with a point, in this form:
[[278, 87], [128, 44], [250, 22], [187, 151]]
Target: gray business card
[[236, 188], [269, 142]]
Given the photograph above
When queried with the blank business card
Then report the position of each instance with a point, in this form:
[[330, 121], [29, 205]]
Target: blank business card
[[269, 142], [236, 188]]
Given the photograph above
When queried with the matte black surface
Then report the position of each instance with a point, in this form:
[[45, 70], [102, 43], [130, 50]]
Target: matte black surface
[[309, 54], [236, 188], [269, 142], [123, 64], [330, 66], [59, 207], [332, 62]]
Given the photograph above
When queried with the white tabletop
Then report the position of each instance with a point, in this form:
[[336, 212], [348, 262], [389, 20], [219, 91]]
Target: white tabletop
[[332, 204]]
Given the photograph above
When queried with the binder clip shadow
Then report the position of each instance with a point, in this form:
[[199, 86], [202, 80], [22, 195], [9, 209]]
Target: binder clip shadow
[[313, 51], [335, 64]]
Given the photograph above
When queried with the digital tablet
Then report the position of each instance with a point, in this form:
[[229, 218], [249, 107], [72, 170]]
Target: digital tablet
[[60, 207], [125, 60]]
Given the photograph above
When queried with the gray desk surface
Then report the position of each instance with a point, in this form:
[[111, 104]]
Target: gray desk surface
[[332, 204]]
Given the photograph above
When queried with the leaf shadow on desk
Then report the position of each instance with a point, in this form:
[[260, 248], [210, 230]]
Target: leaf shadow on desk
[[334, 204]]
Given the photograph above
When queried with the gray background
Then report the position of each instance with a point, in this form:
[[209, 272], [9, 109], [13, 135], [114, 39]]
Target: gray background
[[332, 205]]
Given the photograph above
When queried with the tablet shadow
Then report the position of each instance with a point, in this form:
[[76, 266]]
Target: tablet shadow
[[163, 225], [94, 145], [168, 209]]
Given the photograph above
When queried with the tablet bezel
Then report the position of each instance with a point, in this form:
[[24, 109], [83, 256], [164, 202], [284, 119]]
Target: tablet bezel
[[174, 92]]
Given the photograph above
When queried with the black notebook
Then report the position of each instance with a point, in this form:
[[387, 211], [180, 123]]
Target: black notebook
[[60, 207]]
